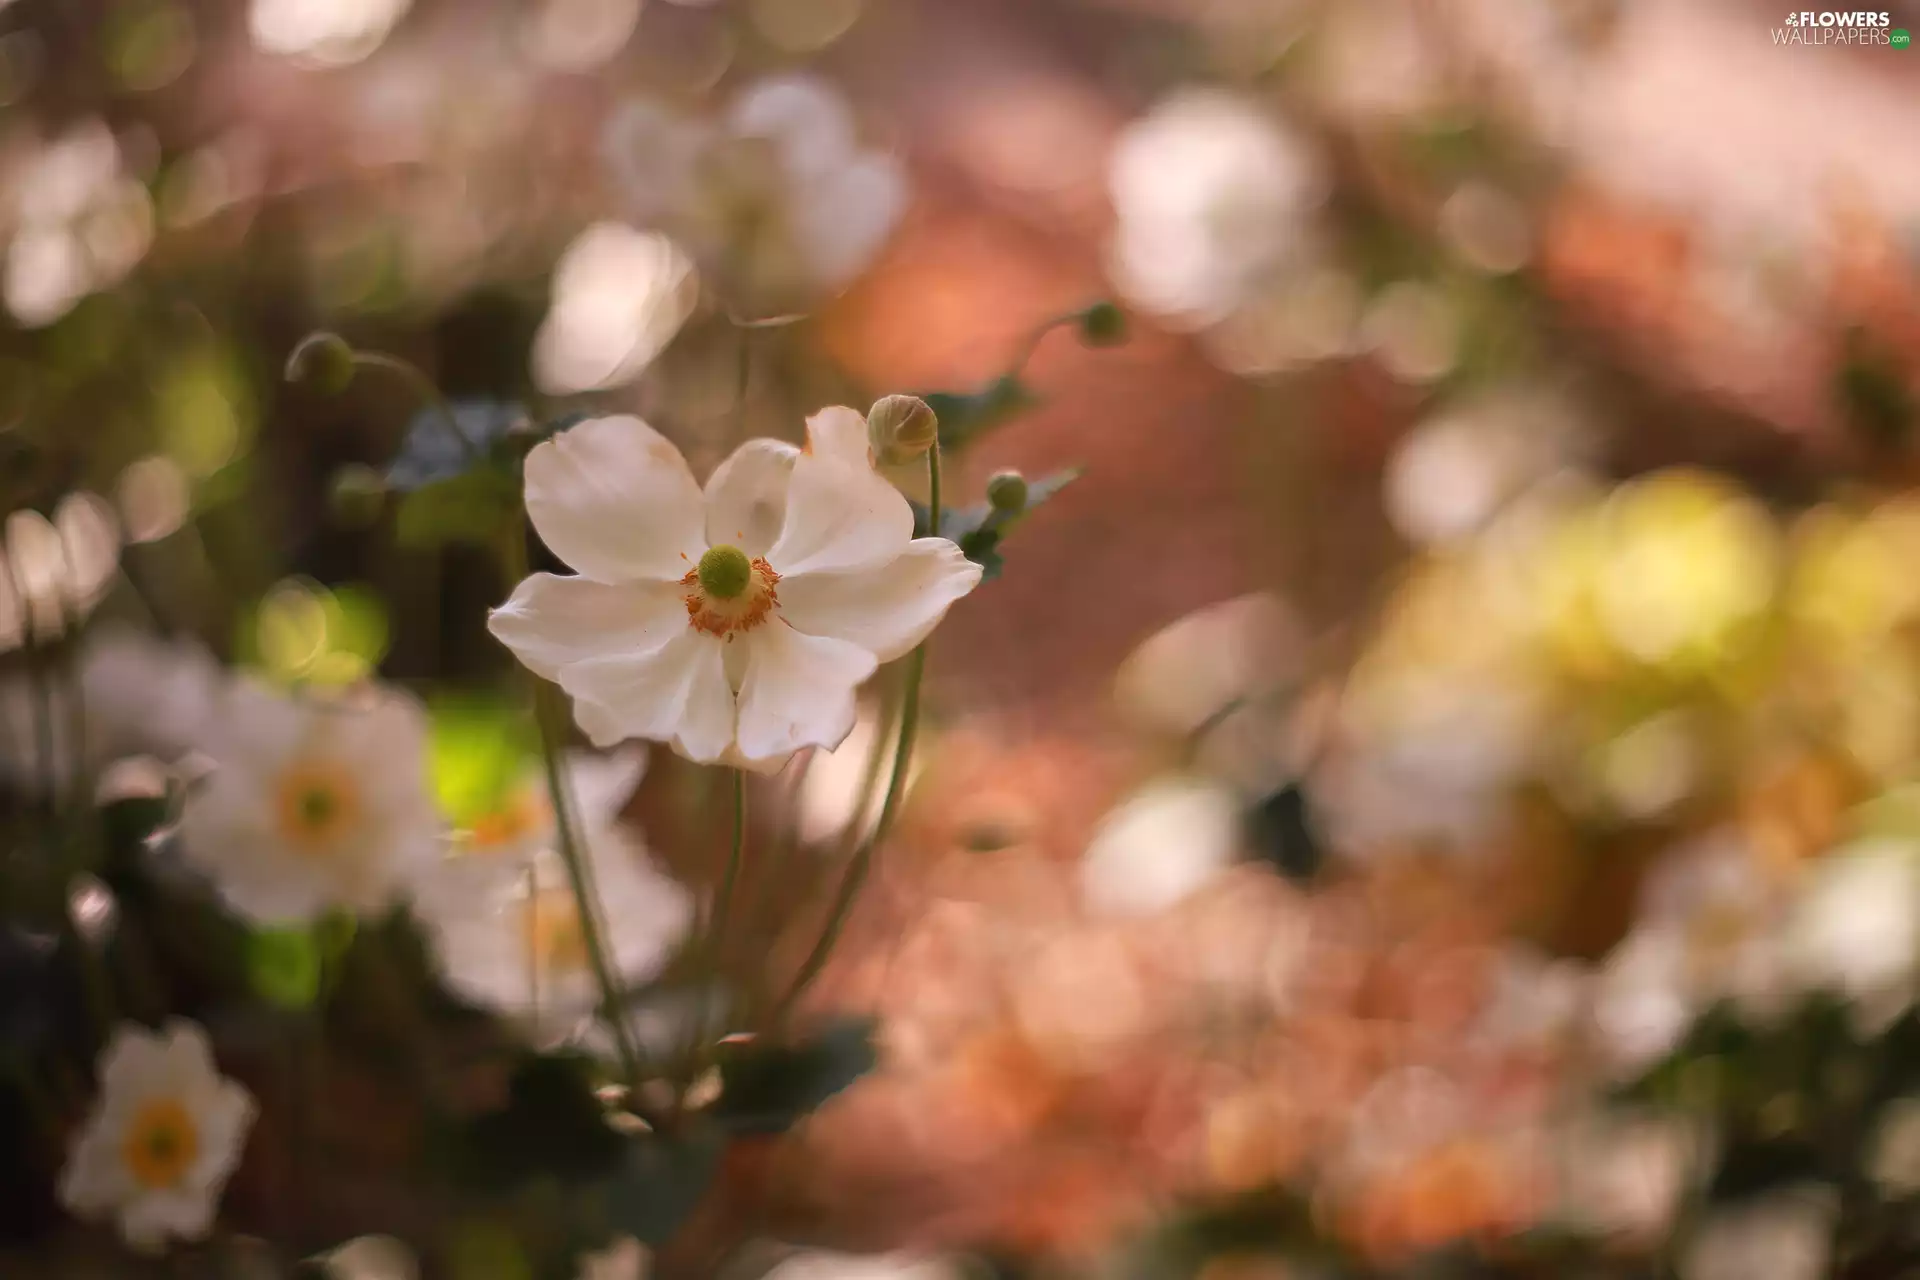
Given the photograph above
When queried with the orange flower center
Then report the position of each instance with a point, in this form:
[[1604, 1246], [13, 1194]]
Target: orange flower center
[[719, 614], [161, 1144], [316, 803]]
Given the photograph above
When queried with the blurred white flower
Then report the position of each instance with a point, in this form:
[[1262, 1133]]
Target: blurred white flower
[[624, 1259], [1893, 1160], [139, 694], [619, 297], [1626, 1173], [162, 1138], [1159, 845], [370, 1258], [1455, 472], [1212, 198], [81, 224], [1786, 1235], [327, 33], [1195, 668], [735, 623], [502, 914], [818, 1264], [311, 805], [1856, 930], [776, 198], [1709, 929]]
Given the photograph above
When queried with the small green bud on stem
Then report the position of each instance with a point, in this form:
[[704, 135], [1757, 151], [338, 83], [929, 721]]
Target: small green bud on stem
[[323, 361], [1103, 325], [1007, 492]]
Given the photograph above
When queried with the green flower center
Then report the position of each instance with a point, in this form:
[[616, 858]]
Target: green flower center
[[724, 572]]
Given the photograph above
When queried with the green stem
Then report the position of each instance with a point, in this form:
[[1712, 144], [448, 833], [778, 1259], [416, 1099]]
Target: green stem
[[717, 934], [862, 861], [423, 387], [579, 874]]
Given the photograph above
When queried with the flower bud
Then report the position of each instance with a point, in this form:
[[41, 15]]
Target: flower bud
[[1103, 325], [1007, 492], [322, 360], [356, 496], [900, 429]]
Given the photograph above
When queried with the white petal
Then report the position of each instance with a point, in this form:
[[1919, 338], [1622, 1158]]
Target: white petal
[[801, 115], [840, 433], [840, 517], [180, 1213], [613, 498], [843, 218], [551, 621], [678, 694], [885, 611], [747, 496], [603, 782], [134, 1056], [798, 691]]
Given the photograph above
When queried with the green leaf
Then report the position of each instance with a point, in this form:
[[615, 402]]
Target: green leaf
[[767, 1088], [284, 966], [429, 453], [471, 507], [968, 415], [659, 1183], [553, 1125]]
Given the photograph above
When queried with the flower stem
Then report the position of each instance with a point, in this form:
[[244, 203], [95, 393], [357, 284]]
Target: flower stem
[[423, 387], [717, 932], [862, 860], [579, 875]]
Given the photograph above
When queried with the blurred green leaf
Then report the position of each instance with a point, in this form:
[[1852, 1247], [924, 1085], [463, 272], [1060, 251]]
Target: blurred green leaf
[[660, 1182], [430, 454], [966, 416], [767, 1088], [284, 966], [553, 1125], [480, 749], [470, 507]]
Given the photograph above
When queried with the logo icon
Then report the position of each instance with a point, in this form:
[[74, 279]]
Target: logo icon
[[1899, 38]]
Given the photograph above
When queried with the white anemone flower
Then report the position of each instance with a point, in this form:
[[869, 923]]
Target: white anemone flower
[[311, 805], [737, 623], [1856, 930], [502, 914], [776, 198], [1212, 199], [162, 1139]]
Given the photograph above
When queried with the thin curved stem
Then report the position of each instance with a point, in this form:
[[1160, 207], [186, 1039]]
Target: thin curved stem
[[862, 861], [423, 387]]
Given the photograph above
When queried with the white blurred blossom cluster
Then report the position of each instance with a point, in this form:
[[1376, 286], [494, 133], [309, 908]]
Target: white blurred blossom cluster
[[79, 223], [775, 197]]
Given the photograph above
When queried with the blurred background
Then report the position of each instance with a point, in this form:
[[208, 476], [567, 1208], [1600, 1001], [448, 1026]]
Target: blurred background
[[1435, 784]]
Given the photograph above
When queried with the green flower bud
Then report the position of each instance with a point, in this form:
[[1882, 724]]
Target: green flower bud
[[1007, 492], [1103, 325], [357, 496], [900, 429], [322, 360]]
